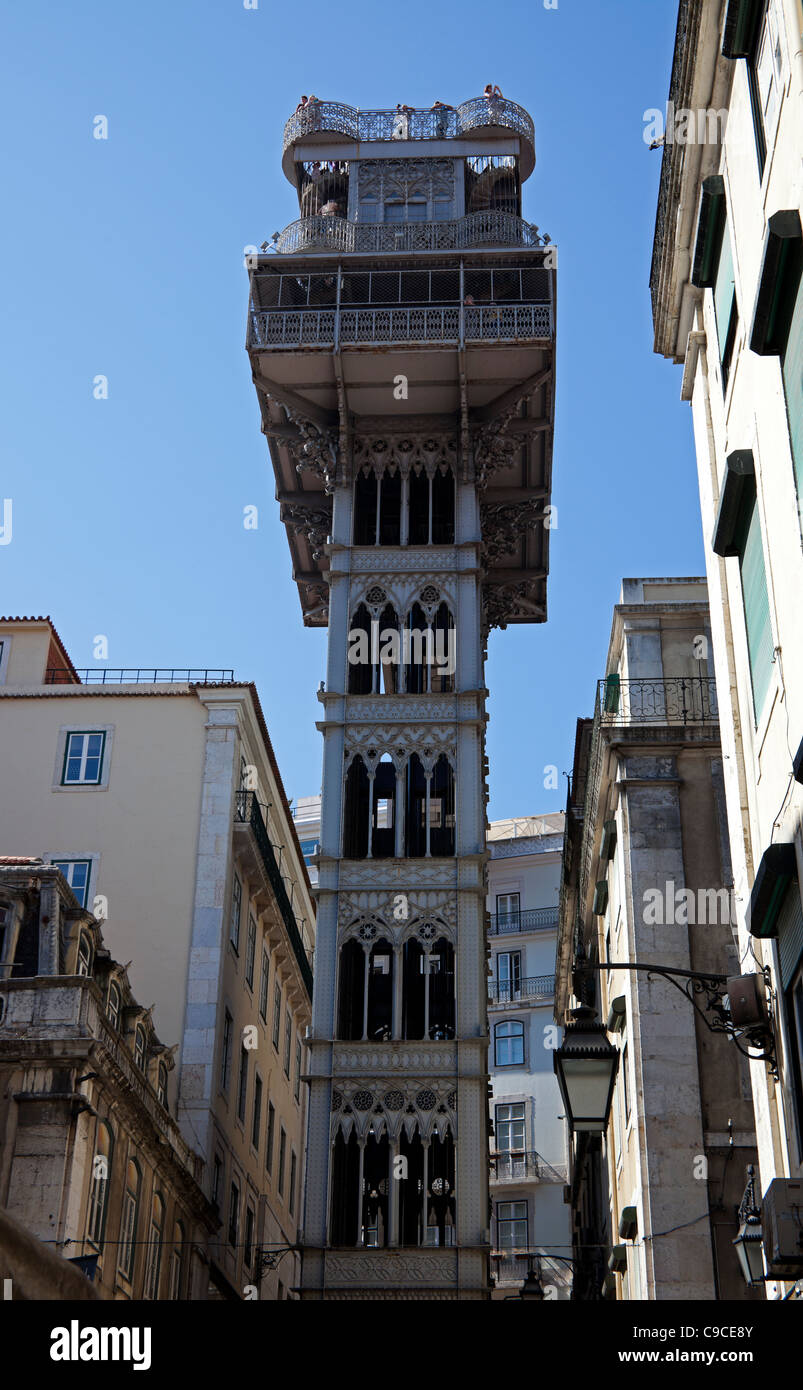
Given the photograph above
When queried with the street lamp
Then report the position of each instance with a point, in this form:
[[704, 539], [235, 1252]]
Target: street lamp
[[749, 1242], [585, 1065], [531, 1288]]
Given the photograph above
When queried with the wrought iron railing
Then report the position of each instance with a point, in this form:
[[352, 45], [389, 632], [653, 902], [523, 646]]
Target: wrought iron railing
[[443, 123], [511, 1267], [139, 675], [316, 327], [519, 991], [659, 700], [531, 919], [249, 811], [513, 1167], [488, 228]]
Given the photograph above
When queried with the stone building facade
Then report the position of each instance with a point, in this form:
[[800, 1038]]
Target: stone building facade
[[92, 1164], [401, 343], [647, 882], [727, 293], [158, 796]]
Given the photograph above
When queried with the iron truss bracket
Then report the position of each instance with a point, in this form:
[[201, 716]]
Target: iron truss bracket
[[266, 1258], [701, 987]]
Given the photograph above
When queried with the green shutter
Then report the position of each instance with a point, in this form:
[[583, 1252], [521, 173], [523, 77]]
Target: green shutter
[[790, 933], [756, 608], [793, 386], [724, 291]]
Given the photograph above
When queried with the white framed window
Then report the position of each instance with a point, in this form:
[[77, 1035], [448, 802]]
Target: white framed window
[[236, 910], [510, 1127], [263, 986], [83, 964], [113, 1004], [83, 758], [512, 1226], [140, 1046], [128, 1224], [161, 1088], [509, 1044], [5, 650], [77, 873], [508, 975], [250, 951], [508, 912]]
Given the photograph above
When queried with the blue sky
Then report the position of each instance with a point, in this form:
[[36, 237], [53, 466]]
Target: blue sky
[[124, 257]]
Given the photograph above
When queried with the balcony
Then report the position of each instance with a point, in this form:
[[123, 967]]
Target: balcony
[[280, 328], [675, 700], [515, 1167], [338, 235], [532, 990], [335, 118], [511, 1267], [532, 919], [248, 811]]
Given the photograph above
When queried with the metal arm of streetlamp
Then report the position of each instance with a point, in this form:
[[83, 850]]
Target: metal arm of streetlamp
[[714, 988]]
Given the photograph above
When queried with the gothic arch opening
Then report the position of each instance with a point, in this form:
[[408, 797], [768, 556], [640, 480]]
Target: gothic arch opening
[[383, 817], [355, 811], [441, 808], [415, 837], [428, 990], [360, 673], [345, 1210]]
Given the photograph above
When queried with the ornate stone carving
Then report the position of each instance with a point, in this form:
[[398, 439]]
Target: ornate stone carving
[[405, 452], [387, 1267], [399, 741], [504, 524], [413, 1105], [402, 707], [414, 873]]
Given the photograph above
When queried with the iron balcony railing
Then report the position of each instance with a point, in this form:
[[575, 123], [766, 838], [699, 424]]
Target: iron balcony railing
[[139, 675], [533, 987], [248, 811], [531, 919], [511, 1267], [513, 1167], [444, 123], [659, 700], [337, 234], [316, 327]]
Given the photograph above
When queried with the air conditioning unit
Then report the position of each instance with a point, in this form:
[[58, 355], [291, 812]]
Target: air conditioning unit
[[782, 1223]]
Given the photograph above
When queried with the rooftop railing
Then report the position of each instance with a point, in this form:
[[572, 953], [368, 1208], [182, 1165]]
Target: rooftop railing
[[278, 328], [443, 123], [139, 675], [528, 990], [339, 235], [248, 811], [531, 919], [660, 700]]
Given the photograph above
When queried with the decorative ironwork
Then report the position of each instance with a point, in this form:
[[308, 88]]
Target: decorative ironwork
[[139, 675], [662, 700], [491, 227], [315, 523], [266, 1258], [248, 810], [293, 328], [442, 123], [531, 919], [532, 987], [505, 523]]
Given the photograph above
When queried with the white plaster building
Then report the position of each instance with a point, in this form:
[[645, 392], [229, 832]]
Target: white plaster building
[[158, 796], [402, 348], [728, 305], [531, 1224]]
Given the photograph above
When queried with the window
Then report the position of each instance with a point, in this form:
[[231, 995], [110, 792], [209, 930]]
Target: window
[[248, 1250], [128, 1225], [217, 1178], [792, 374], [297, 1087], [140, 1046], [277, 1013], [509, 1128], [269, 1138], [291, 1198], [250, 952], [794, 1009], [176, 1261], [234, 1215], [257, 1116], [99, 1191], [263, 987], [508, 976], [282, 1152], [236, 907], [161, 1087], [411, 210], [509, 1044], [508, 912], [76, 872], [113, 1005], [154, 1261], [626, 1081], [83, 759], [242, 1086], [725, 308], [225, 1052], [756, 600], [288, 1038], [512, 1225], [765, 78], [83, 964]]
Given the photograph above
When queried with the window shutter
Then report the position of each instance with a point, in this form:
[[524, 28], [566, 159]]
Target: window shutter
[[790, 933], [756, 610]]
